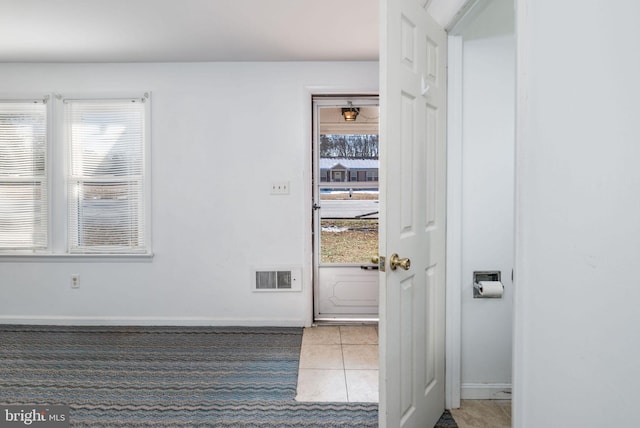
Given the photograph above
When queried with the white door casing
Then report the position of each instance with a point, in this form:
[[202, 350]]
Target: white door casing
[[343, 291], [412, 218]]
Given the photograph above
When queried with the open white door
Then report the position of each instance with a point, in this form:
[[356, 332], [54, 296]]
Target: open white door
[[412, 215]]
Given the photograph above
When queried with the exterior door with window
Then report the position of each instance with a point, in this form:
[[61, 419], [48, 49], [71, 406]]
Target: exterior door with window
[[346, 214]]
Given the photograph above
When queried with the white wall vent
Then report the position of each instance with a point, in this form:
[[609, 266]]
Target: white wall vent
[[276, 279]]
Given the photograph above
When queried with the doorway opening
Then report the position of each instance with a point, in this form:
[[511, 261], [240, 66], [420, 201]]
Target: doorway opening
[[482, 60], [346, 210]]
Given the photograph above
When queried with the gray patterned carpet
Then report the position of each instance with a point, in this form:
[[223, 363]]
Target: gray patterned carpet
[[173, 377], [446, 421], [167, 377]]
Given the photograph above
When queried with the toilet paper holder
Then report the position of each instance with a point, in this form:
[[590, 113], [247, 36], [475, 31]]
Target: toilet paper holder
[[487, 275]]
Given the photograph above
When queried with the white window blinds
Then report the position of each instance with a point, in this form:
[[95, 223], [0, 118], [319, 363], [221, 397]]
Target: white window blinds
[[106, 186], [23, 175]]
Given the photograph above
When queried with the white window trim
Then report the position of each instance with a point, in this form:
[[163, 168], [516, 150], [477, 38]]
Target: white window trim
[[51, 257], [57, 164]]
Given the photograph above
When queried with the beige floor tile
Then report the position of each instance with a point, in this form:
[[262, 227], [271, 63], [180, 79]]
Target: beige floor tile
[[483, 414], [328, 335], [321, 357], [321, 385], [359, 335], [360, 356], [362, 385], [326, 352], [505, 406]]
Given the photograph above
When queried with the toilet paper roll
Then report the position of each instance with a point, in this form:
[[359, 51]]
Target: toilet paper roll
[[491, 288]]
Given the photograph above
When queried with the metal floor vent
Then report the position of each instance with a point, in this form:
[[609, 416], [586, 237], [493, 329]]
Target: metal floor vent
[[277, 280]]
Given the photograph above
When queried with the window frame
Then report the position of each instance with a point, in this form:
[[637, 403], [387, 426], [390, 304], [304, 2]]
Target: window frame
[[71, 247], [46, 101], [57, 163]]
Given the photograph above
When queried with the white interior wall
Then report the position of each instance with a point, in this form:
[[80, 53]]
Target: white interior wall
[[221, 133], [488, 118], [577, 215]]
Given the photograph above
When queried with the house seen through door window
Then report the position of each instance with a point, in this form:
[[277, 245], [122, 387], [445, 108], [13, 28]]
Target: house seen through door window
[[349, 197]]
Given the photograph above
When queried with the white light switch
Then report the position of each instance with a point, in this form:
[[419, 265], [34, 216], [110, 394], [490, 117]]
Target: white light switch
[[280, 188]]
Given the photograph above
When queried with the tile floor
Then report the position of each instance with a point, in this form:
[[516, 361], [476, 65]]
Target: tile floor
[[483, 414], [339, 364]]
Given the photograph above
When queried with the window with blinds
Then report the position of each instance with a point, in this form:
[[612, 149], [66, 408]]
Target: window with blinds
[[23, 175], [106, 175]]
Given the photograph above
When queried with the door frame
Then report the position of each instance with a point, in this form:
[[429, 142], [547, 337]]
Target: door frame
[[330, 99], [453, 338], [453, 306], [308, 92]]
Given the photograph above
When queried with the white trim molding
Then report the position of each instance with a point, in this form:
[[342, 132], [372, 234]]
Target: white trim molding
[[454, 225], [520, 355], [147, 321], [486, 391]]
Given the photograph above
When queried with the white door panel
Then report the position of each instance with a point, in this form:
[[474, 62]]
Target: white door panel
[[348, 291], [412, 215]]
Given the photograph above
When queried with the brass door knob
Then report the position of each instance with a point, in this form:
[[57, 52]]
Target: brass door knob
[[395, 261], [375, 260]]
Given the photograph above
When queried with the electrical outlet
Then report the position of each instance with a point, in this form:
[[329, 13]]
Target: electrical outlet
[[75, 280], [280, 188]]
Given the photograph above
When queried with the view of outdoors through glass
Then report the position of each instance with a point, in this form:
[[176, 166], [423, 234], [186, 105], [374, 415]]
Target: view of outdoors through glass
[[349, 197]]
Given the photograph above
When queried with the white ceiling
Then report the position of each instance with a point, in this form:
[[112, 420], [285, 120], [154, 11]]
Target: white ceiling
[[188, 30], [195, 30]]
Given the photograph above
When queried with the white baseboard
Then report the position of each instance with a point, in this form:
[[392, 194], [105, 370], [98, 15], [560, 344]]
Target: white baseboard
[[485, 391], [148, 321]]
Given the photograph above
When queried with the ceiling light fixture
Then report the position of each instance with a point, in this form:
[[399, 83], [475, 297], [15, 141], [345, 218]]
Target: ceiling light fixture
[[350, 113]]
